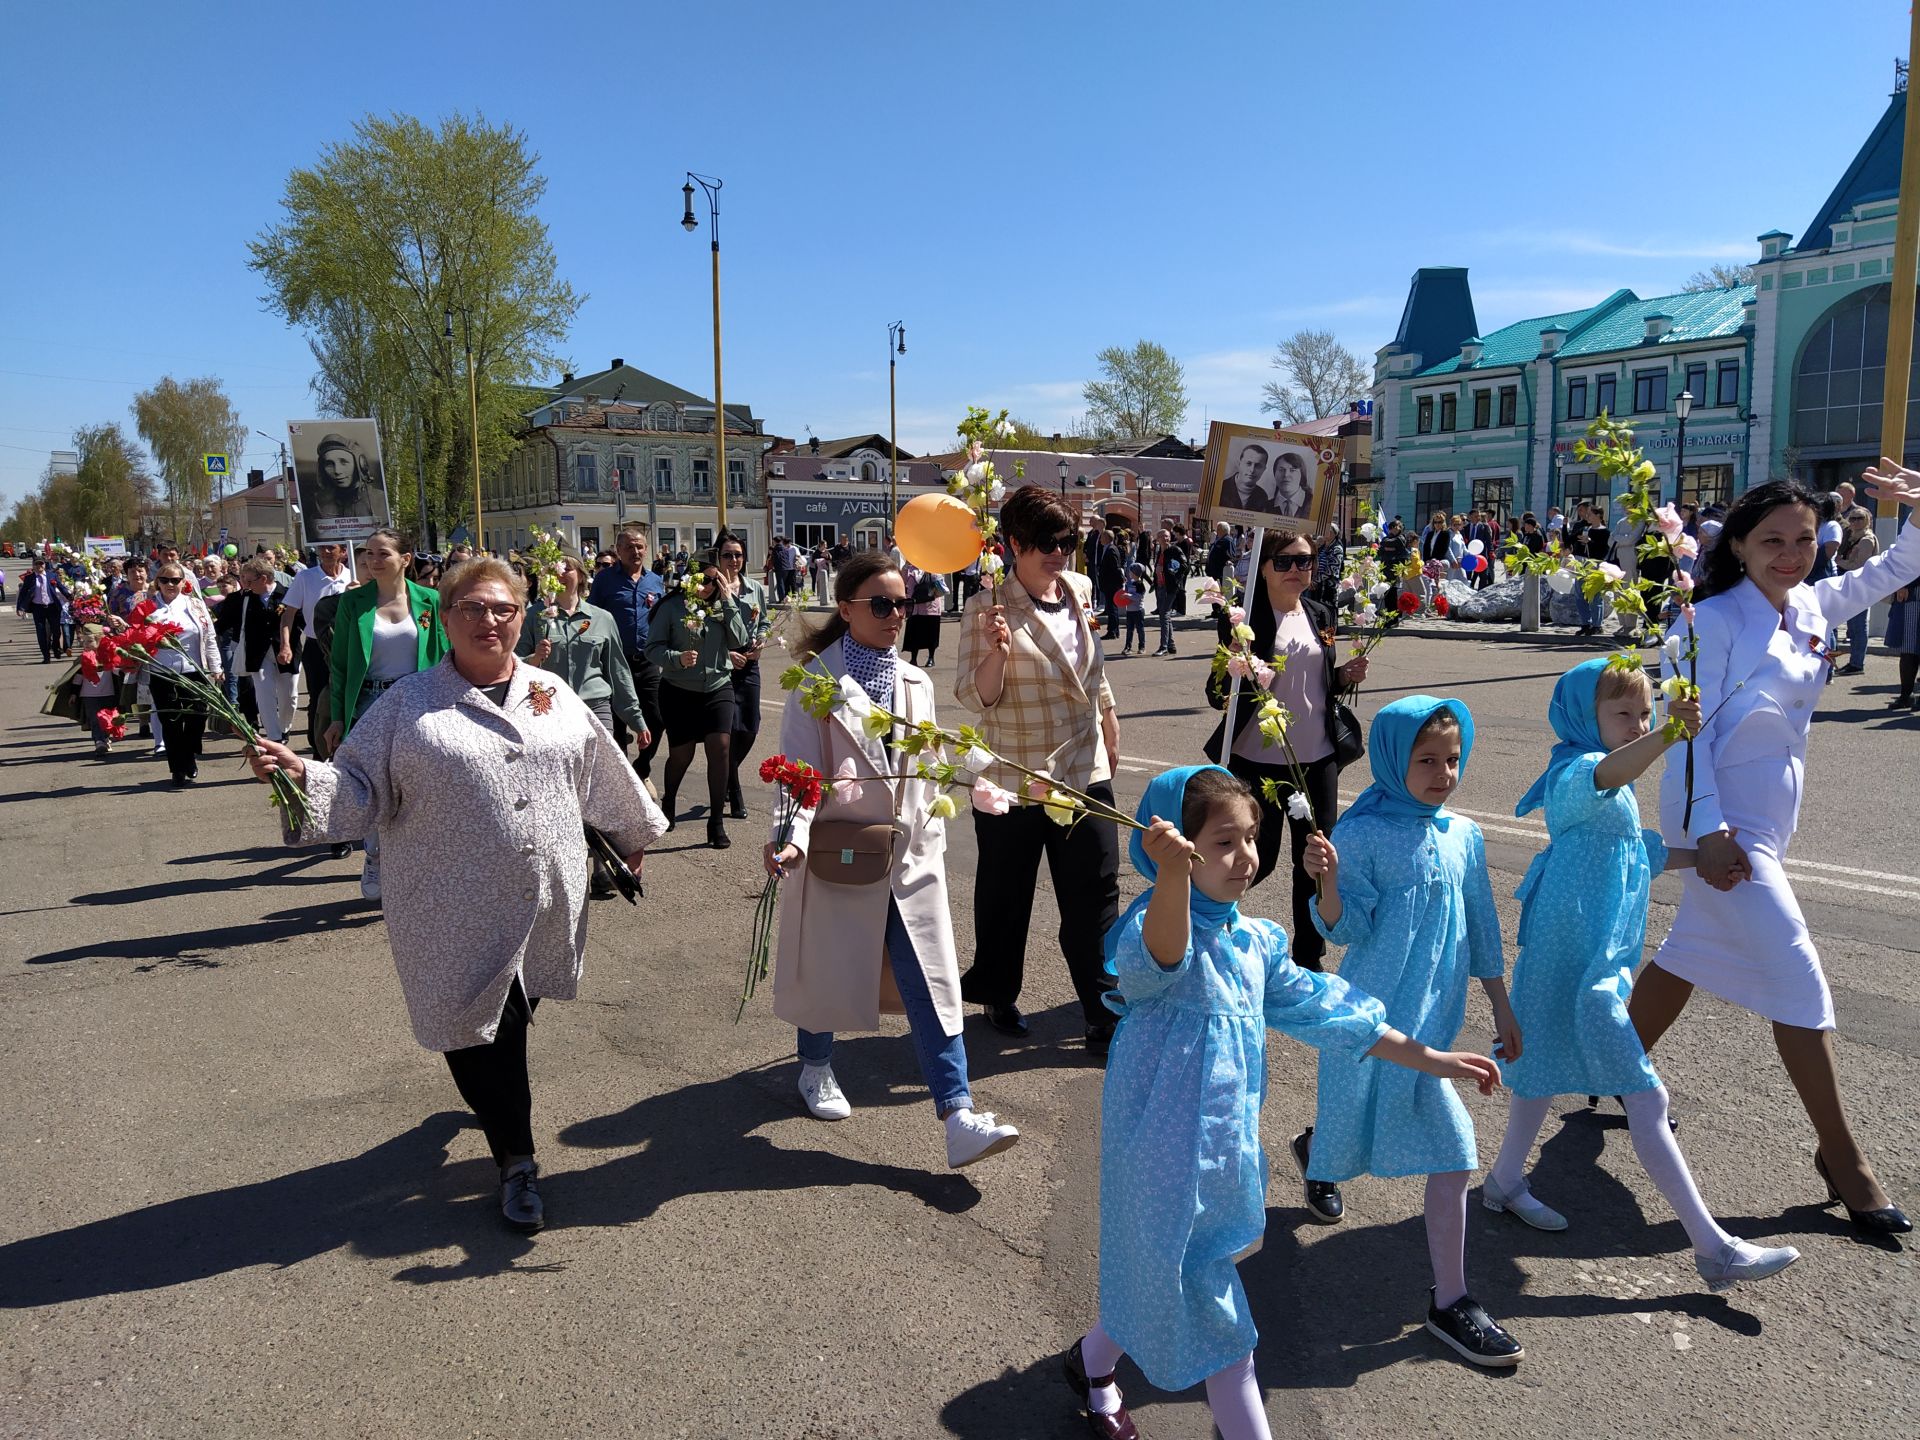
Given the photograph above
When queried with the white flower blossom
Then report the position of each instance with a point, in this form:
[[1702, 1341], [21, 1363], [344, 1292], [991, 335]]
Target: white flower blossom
[[1298, 808]]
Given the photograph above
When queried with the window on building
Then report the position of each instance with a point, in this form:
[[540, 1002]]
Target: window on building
[[1449, 412], [736, 479], [669, 540], [1649, 391], [807, 536], [625, 475], [586, 472], [1706, 485], [1578, 490], [1577, 399], [663, 474], [1432, 495], [1603, 394], [1509, 405], [867, 472], [702, 538], [1495, 496], [1482, 409], [703, 476], [1117, 485], [1696, 385], [1727, 391], [1423, 415]]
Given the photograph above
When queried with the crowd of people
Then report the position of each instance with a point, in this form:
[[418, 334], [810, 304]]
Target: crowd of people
[[487, 728]]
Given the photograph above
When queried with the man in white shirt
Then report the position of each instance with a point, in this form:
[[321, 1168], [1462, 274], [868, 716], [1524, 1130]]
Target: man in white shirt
[[309, 588]]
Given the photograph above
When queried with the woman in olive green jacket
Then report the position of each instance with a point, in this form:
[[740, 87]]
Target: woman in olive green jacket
[[692, 637], [386, 629]]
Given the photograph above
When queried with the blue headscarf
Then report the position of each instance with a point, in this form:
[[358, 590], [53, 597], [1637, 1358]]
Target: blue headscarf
[[1166, 796], [1390, 751], [1576, 721]]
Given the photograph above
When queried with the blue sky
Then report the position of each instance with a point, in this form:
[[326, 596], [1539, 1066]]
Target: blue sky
[[1023, 184]]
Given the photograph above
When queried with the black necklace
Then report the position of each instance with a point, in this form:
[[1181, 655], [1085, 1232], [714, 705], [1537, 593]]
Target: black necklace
[[1052, 607]]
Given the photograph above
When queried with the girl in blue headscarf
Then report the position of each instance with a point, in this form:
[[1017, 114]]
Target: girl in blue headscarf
[[1182, 1176], [1404, 887], [1583, 926]]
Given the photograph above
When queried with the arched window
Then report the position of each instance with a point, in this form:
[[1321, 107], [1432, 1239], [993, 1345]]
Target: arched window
[[867, 472], [1841, 377]]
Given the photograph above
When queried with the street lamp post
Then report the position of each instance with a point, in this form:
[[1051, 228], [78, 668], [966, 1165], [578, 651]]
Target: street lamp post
[[286, 483], [896, 347], [689, 223], [473, 421], [1682, 407]]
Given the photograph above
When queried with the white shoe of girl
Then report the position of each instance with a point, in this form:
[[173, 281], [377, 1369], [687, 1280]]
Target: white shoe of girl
[[822, 1093]]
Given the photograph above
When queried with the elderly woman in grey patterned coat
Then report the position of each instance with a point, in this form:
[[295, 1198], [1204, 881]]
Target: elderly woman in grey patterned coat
[[479, 776]]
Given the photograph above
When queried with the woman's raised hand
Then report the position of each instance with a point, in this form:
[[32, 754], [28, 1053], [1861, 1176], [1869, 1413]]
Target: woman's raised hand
[[999, 633], [1164, 843], [1890, 480], [1354, 672], [777, 860], [266, 756]]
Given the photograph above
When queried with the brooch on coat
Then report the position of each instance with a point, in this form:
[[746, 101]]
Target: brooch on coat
[[539, 697]]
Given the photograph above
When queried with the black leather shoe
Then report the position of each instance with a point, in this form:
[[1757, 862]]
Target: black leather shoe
[[1323, 1199], [1116, 1426], [1887, 1220], [520, 1204], [1007, 1019], [717, 834], [1470, 1332], [1100, 1038]]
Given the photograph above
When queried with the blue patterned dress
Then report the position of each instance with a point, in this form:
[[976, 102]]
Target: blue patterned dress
[[1418, 921], [1183, 1178], [1583, 925]]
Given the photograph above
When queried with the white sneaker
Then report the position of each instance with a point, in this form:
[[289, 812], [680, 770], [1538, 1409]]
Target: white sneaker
[[1521, 1204], [973, 1135], [370, 879], [822, 1093]]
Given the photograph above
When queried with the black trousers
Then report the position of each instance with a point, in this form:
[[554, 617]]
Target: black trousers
[[183, 723], [1323, 793], [1085, 865], [646, 684], [746, 721], [492, 1079], [46, 630], [317, 669]]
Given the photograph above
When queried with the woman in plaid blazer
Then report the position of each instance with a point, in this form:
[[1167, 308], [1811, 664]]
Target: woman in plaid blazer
[[1032, 666]]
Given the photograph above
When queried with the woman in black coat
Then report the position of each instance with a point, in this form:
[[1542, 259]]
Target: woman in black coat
[[1287, 621]]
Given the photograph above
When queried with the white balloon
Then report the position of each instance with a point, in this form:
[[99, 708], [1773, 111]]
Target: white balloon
[[1370, 531], [1478, 547], [1561, 582]]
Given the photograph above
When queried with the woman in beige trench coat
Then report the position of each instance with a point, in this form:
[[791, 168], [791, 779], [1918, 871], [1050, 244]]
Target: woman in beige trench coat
[[849, 951], [479, 776]]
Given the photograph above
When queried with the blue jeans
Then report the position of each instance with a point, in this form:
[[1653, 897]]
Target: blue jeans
[[1590, 611], [1857, 640], [943, 1057], [1134, 619]]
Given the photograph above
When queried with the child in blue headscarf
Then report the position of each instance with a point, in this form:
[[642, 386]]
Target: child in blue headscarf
[[1583, 927], [1404, 887], [1182, 1176]]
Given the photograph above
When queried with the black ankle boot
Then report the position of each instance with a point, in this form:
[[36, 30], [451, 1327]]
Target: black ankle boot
[[669, 808], [736, 802], [717, 834]]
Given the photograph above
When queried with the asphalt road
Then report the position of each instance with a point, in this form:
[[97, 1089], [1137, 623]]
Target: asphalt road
[[240, 1201]]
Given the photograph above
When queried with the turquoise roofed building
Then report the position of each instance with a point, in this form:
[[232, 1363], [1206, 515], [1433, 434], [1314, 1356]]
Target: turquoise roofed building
[[1785, 373]]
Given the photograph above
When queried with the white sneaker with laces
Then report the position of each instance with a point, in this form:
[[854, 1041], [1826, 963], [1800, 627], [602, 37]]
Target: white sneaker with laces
[[822, 1093], [370, 879], [1520, 1204], [975, 1134]]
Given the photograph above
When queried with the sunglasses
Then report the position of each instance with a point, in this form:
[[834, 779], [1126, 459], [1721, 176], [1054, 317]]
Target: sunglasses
[[170, 580], [885, 607], [476, 611], [1292, 562], [1055, 545]]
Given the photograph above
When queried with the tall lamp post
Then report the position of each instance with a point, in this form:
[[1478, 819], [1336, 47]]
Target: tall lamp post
[[473, 421], [689, 223], [1682, 407], [286, 482], [896, 347]]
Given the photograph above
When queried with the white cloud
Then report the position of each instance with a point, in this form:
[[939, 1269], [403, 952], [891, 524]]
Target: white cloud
[[1586, 242]]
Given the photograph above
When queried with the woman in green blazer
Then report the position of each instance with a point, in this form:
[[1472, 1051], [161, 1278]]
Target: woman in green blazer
[[386, 629], [692, 637]]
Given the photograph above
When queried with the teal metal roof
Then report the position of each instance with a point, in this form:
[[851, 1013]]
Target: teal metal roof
[[1617, 323]]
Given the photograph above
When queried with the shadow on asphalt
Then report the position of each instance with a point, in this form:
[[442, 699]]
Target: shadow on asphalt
[[196, 949], [286, 873]]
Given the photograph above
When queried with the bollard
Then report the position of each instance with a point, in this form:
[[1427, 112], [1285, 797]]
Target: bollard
[[1530, 602]]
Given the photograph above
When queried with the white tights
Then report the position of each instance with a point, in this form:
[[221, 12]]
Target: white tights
[[1447, 1234], [1232, 1392], [1653, 1142]]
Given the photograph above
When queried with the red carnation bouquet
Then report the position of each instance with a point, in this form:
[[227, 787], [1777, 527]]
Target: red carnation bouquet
[[800, 787], [133, 648]]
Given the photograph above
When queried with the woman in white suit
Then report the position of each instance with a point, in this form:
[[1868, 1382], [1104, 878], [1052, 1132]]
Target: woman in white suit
[[1763, 659], [849, 951]]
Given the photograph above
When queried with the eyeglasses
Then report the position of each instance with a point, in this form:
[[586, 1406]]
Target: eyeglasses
[[475, 612], [733, 554], [1055, 545], [169, 580], [884, 607], [1292, 562]]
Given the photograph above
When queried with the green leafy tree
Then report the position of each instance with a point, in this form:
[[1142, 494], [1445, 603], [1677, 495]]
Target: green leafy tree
[[1143, 393], [1322, 377], [183, 423], [377, 242], [112, 486]]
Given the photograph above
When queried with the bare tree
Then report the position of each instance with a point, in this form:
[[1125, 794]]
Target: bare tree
[[1323, 378], [1719, 276], [1144, 393]]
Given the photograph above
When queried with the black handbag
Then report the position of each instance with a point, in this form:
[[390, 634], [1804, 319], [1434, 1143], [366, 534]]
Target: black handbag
[[1349, 740]]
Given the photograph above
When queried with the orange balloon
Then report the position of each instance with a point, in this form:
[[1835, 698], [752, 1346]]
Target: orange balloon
[[937, 533]]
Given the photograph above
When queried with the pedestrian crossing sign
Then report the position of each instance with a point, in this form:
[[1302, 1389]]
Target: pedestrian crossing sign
[[216, 464]]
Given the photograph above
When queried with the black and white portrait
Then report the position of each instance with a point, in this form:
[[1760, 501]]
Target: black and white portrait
[[342, 486], [1267, 477]]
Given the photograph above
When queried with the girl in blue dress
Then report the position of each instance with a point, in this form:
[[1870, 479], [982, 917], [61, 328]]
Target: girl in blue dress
[[1182, 1176], [1583, 926], [1404, 888]]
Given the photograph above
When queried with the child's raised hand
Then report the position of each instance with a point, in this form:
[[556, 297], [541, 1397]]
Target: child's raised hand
[[1687, 712], [1321, 858], [1465, 1065], [1167, 847]]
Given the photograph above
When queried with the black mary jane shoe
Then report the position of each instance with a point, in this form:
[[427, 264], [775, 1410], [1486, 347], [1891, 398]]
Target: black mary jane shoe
[[1887, 1220], [1116, 1426], [1323, 1199]]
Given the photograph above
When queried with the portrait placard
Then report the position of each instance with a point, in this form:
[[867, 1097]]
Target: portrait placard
[[340, 479], [1276, 479]]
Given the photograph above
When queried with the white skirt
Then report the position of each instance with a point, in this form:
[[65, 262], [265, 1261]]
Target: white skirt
[[1750, 944]]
